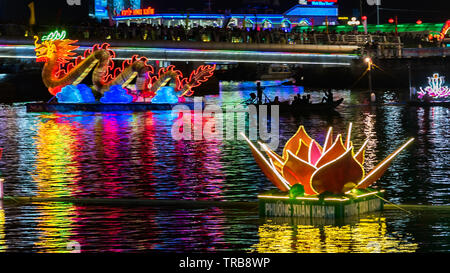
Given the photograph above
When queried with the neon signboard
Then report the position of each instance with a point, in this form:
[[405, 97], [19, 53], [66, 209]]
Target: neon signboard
[[323, 2], [103, 8], [137, 12], [318, 2]]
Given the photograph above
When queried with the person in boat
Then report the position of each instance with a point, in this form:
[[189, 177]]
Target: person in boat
[[259, 90], [308, 99], [305, 100], [252, 100], [328, 97], [296, 100], [276, 101]]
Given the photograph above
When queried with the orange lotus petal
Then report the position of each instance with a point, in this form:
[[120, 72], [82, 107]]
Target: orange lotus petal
[[379, 170], [294, 142], [268, 168], [333, 176], [314, 153], [278, 161], [360, 155], [348, 143], [328, 140], [336, 150], [303, 151], [297, 171]]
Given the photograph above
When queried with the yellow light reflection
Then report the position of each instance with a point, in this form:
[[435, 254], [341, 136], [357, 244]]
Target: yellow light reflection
[[56, 173], [55, 226], [3, 245], [369, 235], [55, 166]]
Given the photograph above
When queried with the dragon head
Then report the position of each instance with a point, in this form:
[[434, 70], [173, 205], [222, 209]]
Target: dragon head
[[54, 47]]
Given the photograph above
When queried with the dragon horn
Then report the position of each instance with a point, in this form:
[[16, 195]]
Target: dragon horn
[[36, 39]]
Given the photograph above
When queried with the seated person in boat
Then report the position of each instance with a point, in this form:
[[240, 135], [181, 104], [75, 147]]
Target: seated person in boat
[[252, 100], [328, 97], [304, 100], [276, 101]]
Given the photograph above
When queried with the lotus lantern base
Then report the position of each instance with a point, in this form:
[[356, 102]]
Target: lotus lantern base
[[330, 206]]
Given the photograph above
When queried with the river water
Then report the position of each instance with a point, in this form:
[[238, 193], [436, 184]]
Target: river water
[[133, 155]]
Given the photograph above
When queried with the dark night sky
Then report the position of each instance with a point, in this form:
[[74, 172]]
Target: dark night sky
[[407, 10]]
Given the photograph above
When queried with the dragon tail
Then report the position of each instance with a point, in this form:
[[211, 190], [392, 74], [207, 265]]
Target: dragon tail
[[197, 77]]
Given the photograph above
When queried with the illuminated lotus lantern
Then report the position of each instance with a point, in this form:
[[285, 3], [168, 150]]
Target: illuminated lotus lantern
[[435, 89], [335, 168]]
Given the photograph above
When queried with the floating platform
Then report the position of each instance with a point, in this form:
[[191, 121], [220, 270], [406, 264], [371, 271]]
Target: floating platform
[[429, 104], [330, 207], [104, 107]]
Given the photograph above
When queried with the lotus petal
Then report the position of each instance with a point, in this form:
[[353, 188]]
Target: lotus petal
[[314, 153], [277, 160], [303, 151], [336, 150], [294, 142], [348, 143], [379, 170], [334, 176], [268, 168], [328, 140], [297, 171], [360, 155]]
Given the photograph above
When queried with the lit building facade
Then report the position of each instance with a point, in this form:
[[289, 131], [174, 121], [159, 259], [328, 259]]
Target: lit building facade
[[305, 13]]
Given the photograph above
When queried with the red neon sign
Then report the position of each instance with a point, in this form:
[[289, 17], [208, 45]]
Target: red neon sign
[[137, 12]]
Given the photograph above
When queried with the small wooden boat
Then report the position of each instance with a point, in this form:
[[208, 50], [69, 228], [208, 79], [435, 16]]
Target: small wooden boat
[[312, 107]]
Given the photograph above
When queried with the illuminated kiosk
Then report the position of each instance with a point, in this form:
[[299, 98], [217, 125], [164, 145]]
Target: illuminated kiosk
[[111, 88], [317, 181]]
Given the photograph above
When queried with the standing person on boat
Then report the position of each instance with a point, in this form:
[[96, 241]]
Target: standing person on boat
[[328, 97], [259, 90], [295, 102]]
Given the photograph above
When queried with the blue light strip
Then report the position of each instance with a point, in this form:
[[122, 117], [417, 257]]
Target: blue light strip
[[172, 16], [260, 17], [313, 11]]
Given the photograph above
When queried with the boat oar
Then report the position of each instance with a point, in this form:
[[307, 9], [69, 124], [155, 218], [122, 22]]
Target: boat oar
[[400, 208]]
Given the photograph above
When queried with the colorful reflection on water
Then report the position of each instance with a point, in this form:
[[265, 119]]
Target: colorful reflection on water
[[366, 235], [56, 227], [3, 245], [133, 155]]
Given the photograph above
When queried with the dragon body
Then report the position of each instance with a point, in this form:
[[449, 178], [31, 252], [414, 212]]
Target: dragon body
[[63, 68]]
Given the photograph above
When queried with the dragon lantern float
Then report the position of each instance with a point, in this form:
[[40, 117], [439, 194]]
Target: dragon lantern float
[[331, 176], [64, 68]]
